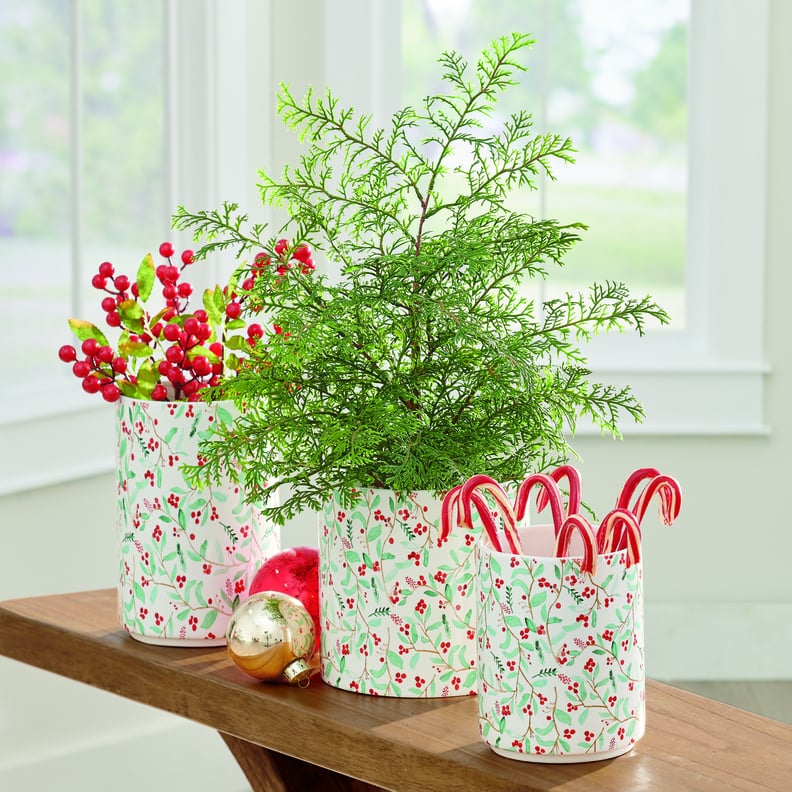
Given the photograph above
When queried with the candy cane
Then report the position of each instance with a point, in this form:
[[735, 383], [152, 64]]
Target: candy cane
[[453, 513], [450, 513], [619, 530], [670, 495], [508, 519], [456, 510], [554, 497], [633, 480], [577, 522], [572, 476]]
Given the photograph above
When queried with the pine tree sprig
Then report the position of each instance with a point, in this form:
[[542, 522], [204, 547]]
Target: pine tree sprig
[[421, 361]]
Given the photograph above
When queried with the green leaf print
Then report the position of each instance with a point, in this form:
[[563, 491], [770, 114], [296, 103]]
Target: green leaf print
[[562, 716], [538, 599], [224, 416], [208, 619], [395, 659]]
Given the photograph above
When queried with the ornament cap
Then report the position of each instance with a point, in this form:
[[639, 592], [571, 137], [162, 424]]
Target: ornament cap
[[298, 672]]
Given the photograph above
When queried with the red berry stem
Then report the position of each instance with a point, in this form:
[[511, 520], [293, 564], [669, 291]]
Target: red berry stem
[[185, 350]]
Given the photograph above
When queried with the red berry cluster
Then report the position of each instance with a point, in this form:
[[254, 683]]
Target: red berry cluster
[[287, 258], [98, 369], [182, 353], [188, 374]]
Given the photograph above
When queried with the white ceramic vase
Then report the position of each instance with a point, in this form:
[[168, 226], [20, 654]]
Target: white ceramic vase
[[187, 555], [397, 606]]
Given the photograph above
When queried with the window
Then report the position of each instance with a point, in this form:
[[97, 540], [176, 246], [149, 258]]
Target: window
[[113, 115], [82, 156], [109, 122], [669, 177], [614, 78]]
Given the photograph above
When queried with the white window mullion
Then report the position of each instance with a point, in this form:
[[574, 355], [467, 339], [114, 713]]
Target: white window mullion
[[76, 101]]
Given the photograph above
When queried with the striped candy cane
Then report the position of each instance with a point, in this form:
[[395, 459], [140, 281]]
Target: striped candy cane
[[577, 522], [669, 493], [501, 498], [552, 494], [457, 510], [572, 476], [619, 531], [633, 480]]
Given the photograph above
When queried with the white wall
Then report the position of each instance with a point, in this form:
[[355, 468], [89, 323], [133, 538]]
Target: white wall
[[718, 586]]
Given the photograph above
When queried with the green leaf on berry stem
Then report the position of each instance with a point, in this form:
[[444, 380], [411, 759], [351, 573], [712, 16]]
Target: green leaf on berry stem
[[237, 342], [147, 378], [145, 277], [129, 389], [84, 330], [214, 305], [135, 349], [131, 313], [194, 352], [160, 314]]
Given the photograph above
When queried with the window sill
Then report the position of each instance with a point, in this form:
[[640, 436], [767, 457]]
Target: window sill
[[724, 399]]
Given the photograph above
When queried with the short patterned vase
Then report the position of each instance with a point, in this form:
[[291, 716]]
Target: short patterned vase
[[187, 555], [397, 606], [560, 654]]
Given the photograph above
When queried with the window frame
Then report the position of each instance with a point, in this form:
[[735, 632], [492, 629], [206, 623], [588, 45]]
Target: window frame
[[708, 379]]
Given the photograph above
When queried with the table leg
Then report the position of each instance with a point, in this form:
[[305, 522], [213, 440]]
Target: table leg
[[269, 771]]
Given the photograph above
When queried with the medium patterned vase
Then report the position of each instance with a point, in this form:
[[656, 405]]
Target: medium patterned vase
[[397, 606], [561, 656], [187, 555]]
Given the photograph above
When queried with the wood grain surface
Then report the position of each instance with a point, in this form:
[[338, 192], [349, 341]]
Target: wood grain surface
[[397, 744]]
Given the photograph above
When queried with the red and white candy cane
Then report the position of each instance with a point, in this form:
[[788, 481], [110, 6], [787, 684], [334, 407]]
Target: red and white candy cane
[[453, 513], [633, 480], [572, 476], [619, 530], [577, 522], [501, 498], [552, 493], [670, 495], [450, 512], [457, 510]]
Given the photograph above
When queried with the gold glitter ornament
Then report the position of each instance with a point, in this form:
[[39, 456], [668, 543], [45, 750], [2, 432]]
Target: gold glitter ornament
[[271, 637]]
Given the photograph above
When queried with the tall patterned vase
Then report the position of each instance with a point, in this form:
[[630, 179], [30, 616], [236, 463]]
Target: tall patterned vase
[[187, 555], [397, 606]]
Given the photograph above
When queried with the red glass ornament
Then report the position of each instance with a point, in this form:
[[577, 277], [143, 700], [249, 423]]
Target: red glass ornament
[[294, 571]]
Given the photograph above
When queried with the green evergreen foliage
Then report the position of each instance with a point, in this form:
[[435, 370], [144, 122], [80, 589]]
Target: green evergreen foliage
[[422, 363]]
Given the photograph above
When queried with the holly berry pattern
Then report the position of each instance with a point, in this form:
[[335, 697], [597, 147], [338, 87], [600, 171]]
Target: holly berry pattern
[[560, 656], [177, 352], [397, 605], [187, 555]]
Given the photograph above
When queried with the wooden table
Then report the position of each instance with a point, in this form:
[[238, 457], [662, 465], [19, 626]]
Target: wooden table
[[321, 738]]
